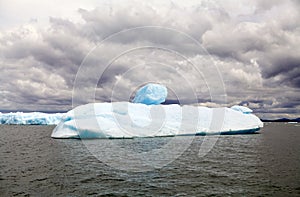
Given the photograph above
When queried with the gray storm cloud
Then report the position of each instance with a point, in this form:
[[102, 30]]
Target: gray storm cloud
[[255, 46]]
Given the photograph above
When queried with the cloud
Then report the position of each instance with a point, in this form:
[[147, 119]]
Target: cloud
[[254, 44]]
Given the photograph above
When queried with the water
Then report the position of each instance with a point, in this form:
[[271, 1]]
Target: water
[[265, 164]]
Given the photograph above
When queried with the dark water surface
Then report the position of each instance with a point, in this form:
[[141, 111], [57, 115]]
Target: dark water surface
[[265, 164]]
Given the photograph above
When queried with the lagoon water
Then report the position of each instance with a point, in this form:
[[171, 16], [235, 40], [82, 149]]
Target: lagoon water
[[264, 164]]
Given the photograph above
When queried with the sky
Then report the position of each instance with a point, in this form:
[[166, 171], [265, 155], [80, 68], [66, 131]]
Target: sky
[[55, 55]]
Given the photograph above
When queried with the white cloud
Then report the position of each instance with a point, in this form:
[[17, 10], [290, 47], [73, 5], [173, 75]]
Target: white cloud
[[255, 45]]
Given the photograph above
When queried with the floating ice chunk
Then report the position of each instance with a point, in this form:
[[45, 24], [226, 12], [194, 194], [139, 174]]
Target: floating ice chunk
[[151, 94], [242, 109], [129, 120], [33, 118]]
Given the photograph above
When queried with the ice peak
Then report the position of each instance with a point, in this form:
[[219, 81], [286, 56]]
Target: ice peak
[[151, 94]]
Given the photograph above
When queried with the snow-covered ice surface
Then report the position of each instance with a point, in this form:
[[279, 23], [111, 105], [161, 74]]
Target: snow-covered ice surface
[[151, 94], [129, 120], [33, 118]]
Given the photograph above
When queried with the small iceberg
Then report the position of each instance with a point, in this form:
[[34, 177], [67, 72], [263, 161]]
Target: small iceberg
[[244, 110], [146, 117], [31, 118]]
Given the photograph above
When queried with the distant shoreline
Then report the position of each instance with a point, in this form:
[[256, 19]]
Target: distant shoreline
[[282, 120]]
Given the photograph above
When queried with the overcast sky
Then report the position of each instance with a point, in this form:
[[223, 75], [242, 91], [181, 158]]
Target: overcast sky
[[208, 52]]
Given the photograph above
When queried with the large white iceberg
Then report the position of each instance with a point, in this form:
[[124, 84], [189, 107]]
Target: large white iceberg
[[146, 118], [129, 120], [33, 118]]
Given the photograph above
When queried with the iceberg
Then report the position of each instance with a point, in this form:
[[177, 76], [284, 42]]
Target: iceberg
[[146, 117], [151, 94], [33, 118], [131, 120]]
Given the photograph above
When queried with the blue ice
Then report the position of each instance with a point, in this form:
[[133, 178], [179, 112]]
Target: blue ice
[[151, 94]]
